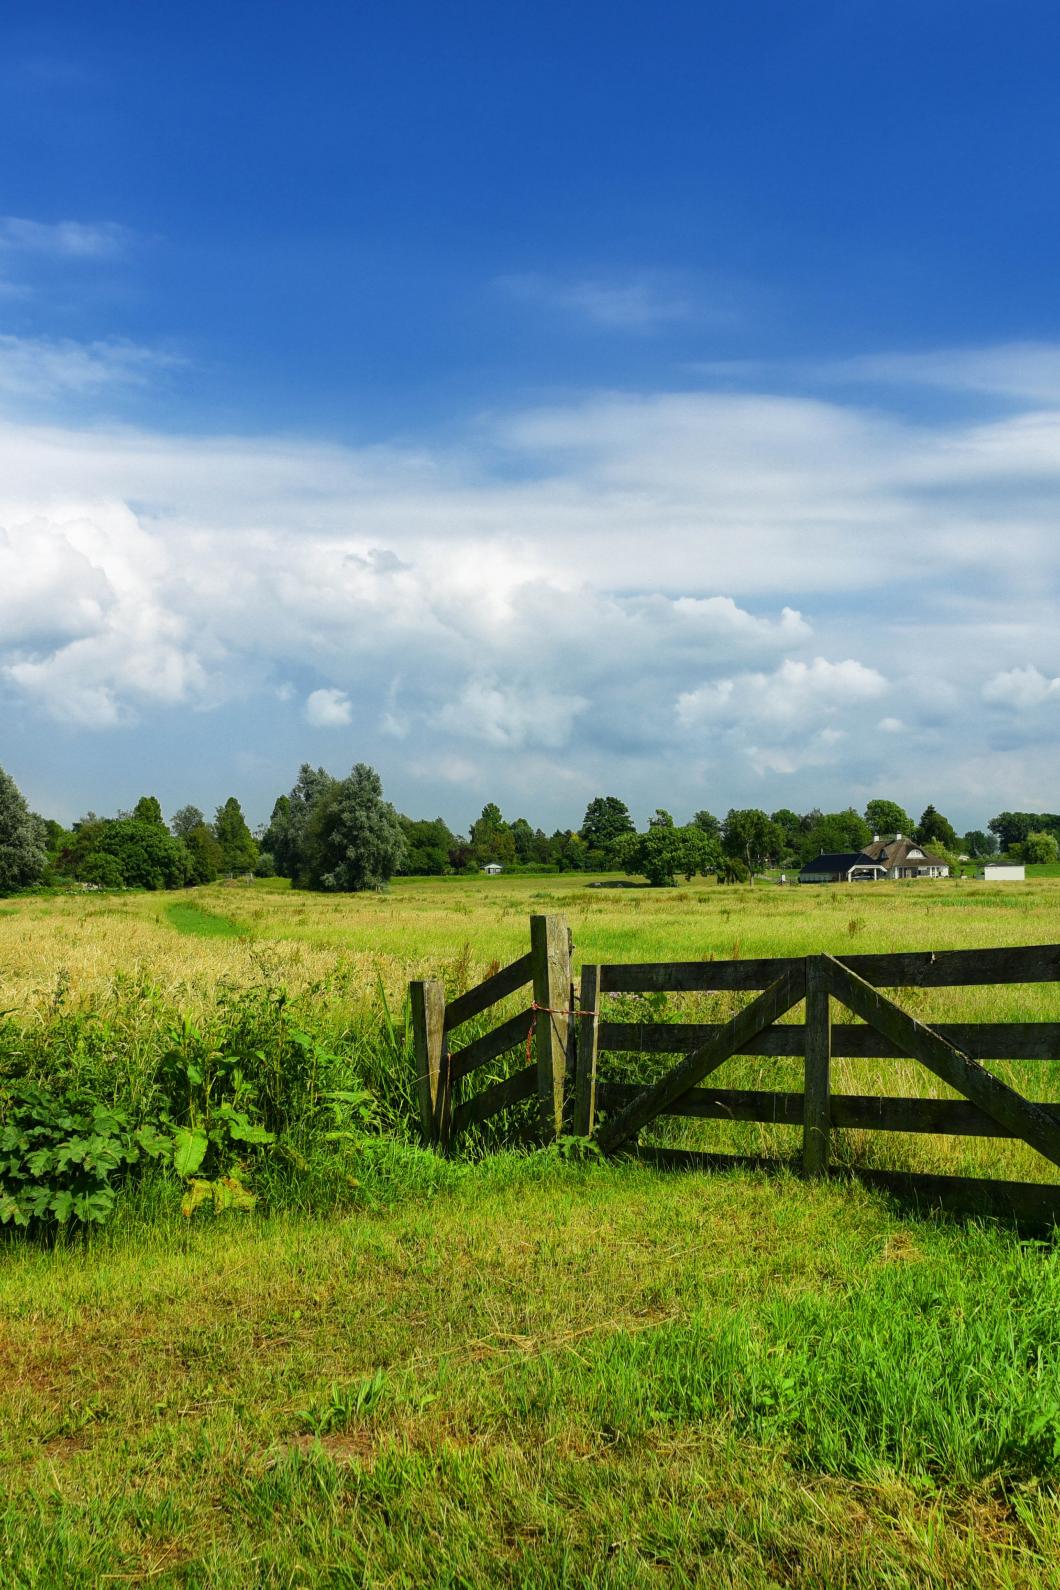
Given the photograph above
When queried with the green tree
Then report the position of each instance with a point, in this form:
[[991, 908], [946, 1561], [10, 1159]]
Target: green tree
[[355, 839], [1011, 828], [977, 843], [567, 851], [1040, 848], [286, 837], [606, 820], [836, 832], [749, 834], [790, 825], [207, 858], [709, 824], [887, 818], [182, 822], [23, 856], [934, 829], [148, 810], [239, 848], [427, 847], [145, 852], [665, 851], [491, 837], [102, 869], [523, 840]]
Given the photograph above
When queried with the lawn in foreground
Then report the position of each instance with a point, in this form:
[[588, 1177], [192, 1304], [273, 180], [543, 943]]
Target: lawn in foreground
[[531, 1372]]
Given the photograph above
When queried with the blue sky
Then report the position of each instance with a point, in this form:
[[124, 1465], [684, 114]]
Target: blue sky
[[534, 401]]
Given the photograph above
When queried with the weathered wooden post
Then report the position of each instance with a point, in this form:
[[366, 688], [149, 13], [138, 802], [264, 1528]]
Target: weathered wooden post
[[550, 952], [587, 1022], [817, 1075], [427, 1001]]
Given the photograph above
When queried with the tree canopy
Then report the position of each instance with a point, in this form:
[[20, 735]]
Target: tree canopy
[[23, 856], [664, 851], [355, 839], [887, 818]]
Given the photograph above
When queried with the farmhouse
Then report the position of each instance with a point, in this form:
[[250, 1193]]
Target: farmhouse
[[883, 858]]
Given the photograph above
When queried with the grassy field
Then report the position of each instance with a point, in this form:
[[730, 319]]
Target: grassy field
[[512, 1369]]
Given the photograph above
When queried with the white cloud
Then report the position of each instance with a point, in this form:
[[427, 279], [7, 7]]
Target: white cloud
[[639, 303], [328, 709], [1021, 688], [63, 239], [694, 588], [39, 368], [797, 716]]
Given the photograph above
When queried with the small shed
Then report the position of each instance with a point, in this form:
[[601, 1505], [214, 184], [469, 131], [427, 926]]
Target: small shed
[[492, 868], [1004, 872]]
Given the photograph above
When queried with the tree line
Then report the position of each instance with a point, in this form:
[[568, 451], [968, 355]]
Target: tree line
[[342, 834]]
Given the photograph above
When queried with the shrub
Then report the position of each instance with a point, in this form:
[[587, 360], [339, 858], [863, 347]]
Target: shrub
[[63, 1156]]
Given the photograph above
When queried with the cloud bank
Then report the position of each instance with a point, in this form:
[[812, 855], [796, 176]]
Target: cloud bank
[[704, 597]]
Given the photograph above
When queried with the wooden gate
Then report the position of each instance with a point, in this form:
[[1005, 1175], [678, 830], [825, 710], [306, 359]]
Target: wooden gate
[[568, 1035], [954, 1053]]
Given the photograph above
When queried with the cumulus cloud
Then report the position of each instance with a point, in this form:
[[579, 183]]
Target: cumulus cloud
[[328, 709], [1021, 688], [695, 587], [796, 716]]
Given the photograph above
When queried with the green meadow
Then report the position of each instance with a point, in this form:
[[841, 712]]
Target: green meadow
[[507, 1367]]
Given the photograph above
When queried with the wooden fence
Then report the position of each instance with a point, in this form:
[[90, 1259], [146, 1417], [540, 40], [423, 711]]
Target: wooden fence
[[565, 1036]]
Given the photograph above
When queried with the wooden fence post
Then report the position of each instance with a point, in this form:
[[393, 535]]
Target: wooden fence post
[[587, 1024], [817, 1074], [550, 953], [427, 1001]]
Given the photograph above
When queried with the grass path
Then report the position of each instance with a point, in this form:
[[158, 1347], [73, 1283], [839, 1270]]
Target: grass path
[[539, 1374]]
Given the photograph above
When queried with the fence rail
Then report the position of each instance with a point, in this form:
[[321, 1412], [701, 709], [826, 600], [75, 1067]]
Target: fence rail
[[560, 1038]]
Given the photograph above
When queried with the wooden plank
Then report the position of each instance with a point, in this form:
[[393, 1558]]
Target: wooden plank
[[509, 1035], [704, 976], [587, 1023], [433, 1077], [712, 1104], [655, 1100], [1023, 1118], [483, 995], [498, 1096], [550, 953], [818, 1070], [997, 1040], [868, 1112], [1030, 963], [1034, 963]]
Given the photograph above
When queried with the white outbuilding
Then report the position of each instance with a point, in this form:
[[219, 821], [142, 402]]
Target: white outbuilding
[[1004, 872]]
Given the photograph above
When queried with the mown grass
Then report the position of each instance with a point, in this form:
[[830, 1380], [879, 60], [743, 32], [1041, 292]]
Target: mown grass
[[188, 918], [576, 1375]]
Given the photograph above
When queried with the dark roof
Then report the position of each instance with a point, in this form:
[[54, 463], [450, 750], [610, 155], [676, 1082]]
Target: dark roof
[[895, 852], [839, 861]]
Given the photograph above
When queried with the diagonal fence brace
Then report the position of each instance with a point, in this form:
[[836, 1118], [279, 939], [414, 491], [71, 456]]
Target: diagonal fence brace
[[1022, 1117], [779, 997]]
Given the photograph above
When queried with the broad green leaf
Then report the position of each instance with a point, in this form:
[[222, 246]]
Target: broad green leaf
[[189, 1150]]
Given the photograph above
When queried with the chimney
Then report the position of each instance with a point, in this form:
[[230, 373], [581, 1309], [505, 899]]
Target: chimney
[[875, 839], [897, 836]]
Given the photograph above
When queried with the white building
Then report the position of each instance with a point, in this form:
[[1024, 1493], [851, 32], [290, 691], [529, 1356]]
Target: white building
[[1004, 872], [492, 868]]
